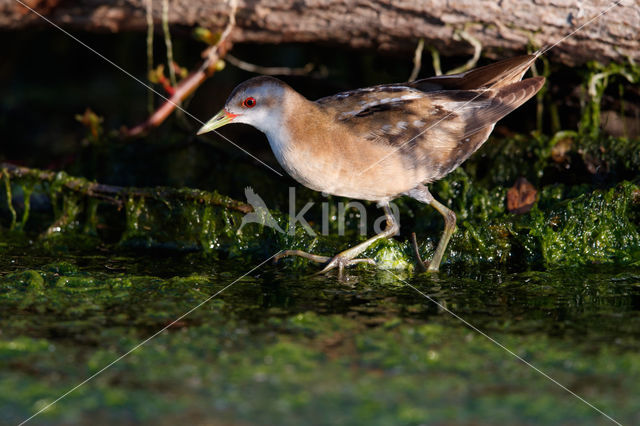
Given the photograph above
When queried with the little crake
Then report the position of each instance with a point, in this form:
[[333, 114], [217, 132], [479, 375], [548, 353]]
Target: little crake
[[381, 142]]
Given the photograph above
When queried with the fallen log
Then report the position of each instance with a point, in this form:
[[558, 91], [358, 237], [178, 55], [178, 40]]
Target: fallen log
[[503, 28]]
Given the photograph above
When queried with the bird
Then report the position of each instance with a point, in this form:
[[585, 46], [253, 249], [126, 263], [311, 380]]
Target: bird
[[260, 213], [382, 142]]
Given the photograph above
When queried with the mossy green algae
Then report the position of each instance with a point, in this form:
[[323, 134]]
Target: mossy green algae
[[565, 227], [373, 355]]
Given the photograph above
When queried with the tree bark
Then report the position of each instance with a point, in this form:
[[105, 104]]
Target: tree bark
[[503, 27]]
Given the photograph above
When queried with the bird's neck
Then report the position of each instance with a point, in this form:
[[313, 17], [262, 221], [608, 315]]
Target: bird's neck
[[293, 135], [291, 124]]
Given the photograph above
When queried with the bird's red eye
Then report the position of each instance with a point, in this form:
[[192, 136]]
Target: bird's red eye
[[249, 102]]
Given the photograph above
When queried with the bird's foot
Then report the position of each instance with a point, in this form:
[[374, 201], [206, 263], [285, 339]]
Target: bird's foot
[[340, 261], [423, 265], [314, 257]]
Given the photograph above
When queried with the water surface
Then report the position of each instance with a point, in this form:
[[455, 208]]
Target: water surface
[[279, 347]]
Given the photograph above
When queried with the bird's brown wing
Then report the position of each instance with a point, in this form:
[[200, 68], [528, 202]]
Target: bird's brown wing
[[383, 97], [495, 75], [435, 131], [380, 112], [474, 123]]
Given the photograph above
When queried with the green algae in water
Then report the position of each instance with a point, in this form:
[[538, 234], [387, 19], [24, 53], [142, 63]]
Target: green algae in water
[[284, 350]]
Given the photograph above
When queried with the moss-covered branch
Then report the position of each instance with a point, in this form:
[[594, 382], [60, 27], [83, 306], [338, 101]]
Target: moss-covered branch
[[118, 194]]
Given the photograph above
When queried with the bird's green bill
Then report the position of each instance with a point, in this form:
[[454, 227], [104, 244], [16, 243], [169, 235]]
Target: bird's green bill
[[218, 120]]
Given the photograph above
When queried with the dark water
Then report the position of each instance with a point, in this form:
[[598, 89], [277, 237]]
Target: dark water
[[280, 348]]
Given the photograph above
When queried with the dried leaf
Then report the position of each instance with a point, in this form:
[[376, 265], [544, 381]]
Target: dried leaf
[[521, 196]]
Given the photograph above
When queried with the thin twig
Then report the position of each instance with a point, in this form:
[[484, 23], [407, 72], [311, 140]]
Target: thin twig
[[190, 83], [7, 187], [167, 42], [211, 54], [417, 60], [477, 50], [258, 69], [414, 244], [149, 15], [435, 60]]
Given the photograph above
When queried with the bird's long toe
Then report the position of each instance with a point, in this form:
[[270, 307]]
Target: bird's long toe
[[341, 262], [299, 253]]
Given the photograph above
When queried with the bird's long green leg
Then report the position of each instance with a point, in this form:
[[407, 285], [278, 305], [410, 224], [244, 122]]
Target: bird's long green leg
[[348, 257], [422, 194], [449, 227]]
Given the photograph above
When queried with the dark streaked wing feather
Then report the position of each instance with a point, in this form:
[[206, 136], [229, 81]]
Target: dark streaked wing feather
[[390, 115], [437, 130], [368, 100], [478, 112], [495, 75], [492, 76], [480, 122]]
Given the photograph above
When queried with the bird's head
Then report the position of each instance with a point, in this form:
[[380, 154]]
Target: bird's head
[[257, 102]]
